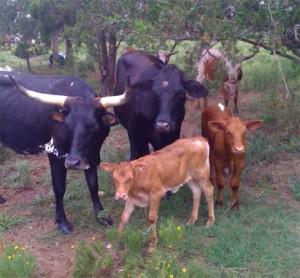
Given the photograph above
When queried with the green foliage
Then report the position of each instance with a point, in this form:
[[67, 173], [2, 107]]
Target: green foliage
[[21, 50], [7, 222], [113, 237], [92, 260], [20, 177], [134, 240], [296, 188], [84, 261], [5, 154], [170, 233], [17, 262]]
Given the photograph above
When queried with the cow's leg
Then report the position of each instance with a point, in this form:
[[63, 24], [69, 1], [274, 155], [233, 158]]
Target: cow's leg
[[220, 180], [208, 190], [225, 95], [196, 190], [129, 207], [154, 203], [235, 99], [138, 146], [235, 183], [92, 182], [58, 174]]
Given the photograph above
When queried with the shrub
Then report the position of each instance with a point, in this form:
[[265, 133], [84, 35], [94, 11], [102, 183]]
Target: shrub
[[134, 240], [16, 262], [170, 233], [20, 177]]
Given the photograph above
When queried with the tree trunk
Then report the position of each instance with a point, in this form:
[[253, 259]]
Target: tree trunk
[[28, 62], [107, 62], [103, 62], [69, 52], [55, 46], [112, 54]]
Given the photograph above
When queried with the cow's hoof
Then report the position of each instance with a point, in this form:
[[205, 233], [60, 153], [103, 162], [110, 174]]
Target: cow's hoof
[[66, 227], [2, 200], [104, 219]]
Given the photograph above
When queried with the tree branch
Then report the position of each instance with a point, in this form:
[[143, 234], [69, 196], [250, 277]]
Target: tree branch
[[272, 50]]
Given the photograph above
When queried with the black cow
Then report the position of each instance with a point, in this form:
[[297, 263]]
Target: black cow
[[64, 111], [156, 110]]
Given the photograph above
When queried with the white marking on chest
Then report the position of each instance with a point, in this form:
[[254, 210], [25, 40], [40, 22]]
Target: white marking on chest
[[72, 84], [141, 201]]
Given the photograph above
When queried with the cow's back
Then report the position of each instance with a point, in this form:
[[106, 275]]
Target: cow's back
[[173, 164]]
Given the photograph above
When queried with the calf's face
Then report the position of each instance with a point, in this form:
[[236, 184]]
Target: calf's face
[[235, 130], [122, 174]]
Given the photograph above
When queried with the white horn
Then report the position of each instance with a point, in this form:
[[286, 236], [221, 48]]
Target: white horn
[[111, 101], [46, 98]]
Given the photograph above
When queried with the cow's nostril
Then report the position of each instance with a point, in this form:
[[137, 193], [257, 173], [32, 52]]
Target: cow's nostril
[[71, 163], [163, 126]]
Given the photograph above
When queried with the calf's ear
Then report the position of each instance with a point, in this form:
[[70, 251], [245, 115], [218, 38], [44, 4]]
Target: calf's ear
[[108, 167], [195, 89], [216, 125], [253, 125]]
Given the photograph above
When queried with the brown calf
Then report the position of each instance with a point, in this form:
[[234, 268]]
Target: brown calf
[[143, 182], [227, 140]]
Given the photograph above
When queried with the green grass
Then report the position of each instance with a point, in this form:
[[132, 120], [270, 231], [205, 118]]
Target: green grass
[[20, 176], [16, 262], [7, 222]]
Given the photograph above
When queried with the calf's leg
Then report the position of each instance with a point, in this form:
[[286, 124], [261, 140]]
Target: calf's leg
[[154, 202], [208, 190], [235, 183], [129, 207], [196, 190], [58, 174], [220, 180], [235, 99]]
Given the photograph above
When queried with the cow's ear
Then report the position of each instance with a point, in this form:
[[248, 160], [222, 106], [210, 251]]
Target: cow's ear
[[253, 125], [108, 167], [109, 119], [217, 125], [58, 117], [195, 89]]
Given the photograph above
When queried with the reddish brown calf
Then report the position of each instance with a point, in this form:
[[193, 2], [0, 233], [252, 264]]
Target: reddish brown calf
[[143, 182], [227, 140]]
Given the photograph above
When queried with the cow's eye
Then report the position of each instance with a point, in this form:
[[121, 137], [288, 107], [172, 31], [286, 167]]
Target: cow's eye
[[93, 127]]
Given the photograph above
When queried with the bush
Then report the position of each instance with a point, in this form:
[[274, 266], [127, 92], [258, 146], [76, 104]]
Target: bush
[[16, 262], [20, 177]]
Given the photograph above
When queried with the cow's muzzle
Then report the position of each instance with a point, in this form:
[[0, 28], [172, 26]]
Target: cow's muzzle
[[163, 126], [238, 150], [76, 164], [121, 196]]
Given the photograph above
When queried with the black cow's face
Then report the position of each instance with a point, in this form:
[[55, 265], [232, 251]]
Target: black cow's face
[[170, 90], [87, 126]]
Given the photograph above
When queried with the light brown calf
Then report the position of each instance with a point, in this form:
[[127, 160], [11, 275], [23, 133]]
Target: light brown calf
[[143, 182], [227, 140]]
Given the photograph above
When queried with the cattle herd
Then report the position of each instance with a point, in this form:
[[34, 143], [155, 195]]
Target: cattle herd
[[63, 117]]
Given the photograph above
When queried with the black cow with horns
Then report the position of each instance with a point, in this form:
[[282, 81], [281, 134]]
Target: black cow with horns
[[64, 111], [156, 110]]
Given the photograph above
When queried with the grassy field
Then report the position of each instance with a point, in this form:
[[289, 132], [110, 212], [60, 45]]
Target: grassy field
[[262, 239]]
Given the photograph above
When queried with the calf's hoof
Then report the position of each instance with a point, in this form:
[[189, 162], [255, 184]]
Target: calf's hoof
[[66, 227], [209, 223], [191, 221], [235, 206]]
